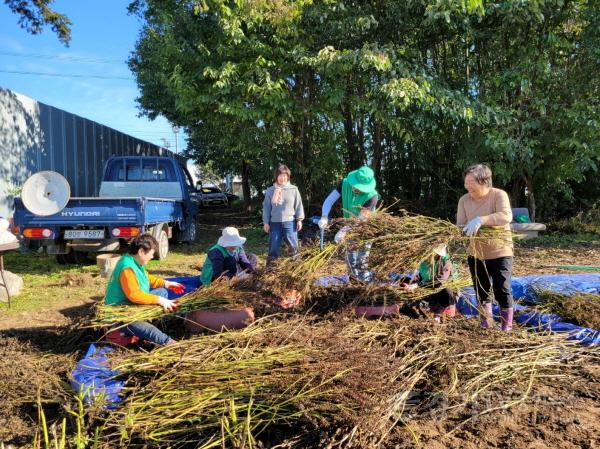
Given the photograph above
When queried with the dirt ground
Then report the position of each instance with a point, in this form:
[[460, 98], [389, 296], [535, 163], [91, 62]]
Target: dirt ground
[[41, 343]]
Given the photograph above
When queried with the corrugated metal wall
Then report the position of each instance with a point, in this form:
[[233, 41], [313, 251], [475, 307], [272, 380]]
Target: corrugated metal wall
[[35, 137]]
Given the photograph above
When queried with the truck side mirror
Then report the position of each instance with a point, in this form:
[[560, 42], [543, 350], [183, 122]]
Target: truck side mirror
[[199, 186]]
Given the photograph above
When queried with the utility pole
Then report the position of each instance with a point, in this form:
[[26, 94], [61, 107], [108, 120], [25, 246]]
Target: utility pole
[[176, 131]]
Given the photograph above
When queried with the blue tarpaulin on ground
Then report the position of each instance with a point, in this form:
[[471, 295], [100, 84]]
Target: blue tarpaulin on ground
[[95, 380], [524, 288], [189, 282]]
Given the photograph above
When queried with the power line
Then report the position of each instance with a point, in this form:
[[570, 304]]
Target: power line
[[62, 57], [65, 75]]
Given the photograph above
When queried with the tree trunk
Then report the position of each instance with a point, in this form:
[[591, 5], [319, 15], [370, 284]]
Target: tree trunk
[[377, 149], [530, 195], [246, 186]]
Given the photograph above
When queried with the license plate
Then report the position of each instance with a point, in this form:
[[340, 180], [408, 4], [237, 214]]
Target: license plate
[[85, 234]]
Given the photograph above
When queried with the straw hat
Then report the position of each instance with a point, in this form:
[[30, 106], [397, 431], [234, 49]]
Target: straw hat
[[231, 237]]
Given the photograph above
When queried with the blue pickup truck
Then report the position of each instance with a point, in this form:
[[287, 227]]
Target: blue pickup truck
[[138, 194]]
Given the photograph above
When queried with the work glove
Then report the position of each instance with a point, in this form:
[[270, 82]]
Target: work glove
[[175, 287], [323, 222], [167, 305], [341, 234], [243, 275], [472, 227]]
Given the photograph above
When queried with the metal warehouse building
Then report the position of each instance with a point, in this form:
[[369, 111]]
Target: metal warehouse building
[[35, 137]]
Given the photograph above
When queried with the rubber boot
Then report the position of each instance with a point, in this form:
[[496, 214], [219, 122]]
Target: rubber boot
[[437, 313], [450, 311], [486, 318], [506, 319]]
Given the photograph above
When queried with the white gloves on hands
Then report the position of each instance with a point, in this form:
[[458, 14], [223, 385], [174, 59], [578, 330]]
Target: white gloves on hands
[[167, 305], [341, 234], [323, 222], [472, 227]]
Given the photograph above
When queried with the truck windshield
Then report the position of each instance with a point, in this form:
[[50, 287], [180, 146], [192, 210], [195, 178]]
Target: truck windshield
[[140, 170]]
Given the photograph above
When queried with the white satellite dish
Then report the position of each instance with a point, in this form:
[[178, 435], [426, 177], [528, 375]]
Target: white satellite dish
[[46, 193]]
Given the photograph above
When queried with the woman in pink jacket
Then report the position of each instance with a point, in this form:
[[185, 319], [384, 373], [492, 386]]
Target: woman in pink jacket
[[490, 260]]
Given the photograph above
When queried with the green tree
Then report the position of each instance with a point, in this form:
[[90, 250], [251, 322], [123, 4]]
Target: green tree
[[34, 15]]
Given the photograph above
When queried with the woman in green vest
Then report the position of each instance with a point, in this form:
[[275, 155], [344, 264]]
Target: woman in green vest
[[359, 198], [227, 258], [131, 284], [433, 273]]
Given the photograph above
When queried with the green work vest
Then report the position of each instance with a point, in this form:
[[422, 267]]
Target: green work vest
[[352, 202], [114, 292], [206, 276], [427, 270]]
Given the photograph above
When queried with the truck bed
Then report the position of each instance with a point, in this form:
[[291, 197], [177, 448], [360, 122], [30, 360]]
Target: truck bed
[[105, 211]]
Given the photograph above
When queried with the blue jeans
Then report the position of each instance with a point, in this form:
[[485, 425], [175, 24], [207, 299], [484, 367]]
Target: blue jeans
[[357, 260], [146, 331], [286, 230]]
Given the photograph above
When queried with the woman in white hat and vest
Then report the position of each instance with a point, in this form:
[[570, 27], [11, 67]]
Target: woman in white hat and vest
[[227, 258]]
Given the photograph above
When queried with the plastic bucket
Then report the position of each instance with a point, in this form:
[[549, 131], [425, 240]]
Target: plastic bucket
[[377, 311], [218, 320]]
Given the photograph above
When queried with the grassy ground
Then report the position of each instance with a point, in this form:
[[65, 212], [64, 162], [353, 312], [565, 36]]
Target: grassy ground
[[53, 293]]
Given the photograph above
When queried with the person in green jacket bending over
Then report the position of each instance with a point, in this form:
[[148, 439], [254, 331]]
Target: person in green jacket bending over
[[359, 198], [131, 284]]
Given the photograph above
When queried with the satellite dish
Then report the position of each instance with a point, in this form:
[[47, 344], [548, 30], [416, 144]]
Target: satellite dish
[[45, 193]]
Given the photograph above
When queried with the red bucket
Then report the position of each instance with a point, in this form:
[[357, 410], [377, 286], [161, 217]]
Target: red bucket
[[218, 320], [116, 337], [377, 311]]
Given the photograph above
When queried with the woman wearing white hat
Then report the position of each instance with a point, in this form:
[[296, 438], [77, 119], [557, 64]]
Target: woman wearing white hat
[[227, 257], [432, 273]]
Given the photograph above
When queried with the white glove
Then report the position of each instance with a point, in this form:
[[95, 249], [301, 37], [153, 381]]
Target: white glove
[[341, 234], [323, 222], [472, 227], [167, 305], [243, 275]]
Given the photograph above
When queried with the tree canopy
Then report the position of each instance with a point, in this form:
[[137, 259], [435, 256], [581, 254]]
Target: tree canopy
[[34, 15], [418, 89]]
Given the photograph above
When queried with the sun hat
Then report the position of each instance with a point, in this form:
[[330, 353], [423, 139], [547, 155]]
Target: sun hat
[[231, 237], [362, 179], [441, 250]]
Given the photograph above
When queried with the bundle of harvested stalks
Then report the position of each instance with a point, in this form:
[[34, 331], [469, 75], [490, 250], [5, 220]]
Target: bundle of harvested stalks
[[579, 308], [227, 388], [298, 273], [400, 243], [218, 295], [347, 380]]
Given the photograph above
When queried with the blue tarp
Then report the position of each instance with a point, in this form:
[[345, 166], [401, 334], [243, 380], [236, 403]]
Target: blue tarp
[[524, 288], [94, 378], [189, 282]]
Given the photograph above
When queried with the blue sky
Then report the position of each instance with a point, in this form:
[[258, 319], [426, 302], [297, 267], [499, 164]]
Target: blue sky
[[102, 37]]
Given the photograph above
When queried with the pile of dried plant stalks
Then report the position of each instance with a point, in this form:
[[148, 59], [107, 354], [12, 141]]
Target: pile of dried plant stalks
[[218, 295], [348, 382], [398, 244], [578, 308]]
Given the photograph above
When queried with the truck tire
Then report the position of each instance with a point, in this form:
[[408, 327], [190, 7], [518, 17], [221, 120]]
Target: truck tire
[[191, 233], [160, 234]]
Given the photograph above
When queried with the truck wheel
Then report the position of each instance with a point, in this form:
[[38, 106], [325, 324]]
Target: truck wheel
[[60, 259], [191, 232], [76, 257], [163, 243]]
